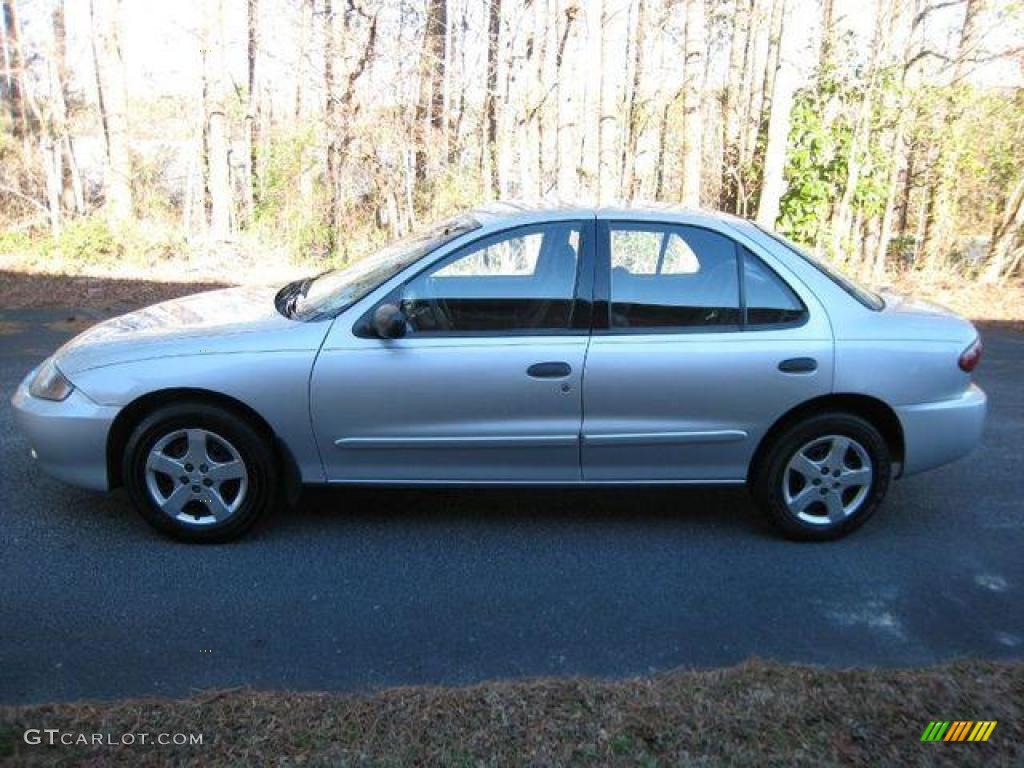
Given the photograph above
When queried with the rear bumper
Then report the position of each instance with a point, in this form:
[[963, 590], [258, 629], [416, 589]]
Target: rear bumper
[[68, 439], [938, 433]]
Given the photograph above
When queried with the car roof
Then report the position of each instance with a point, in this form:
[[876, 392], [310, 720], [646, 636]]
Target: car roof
[[505, 212]]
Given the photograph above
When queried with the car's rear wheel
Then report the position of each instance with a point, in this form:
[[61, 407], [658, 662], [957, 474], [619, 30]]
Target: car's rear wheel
[[823, 477], [199, 473]]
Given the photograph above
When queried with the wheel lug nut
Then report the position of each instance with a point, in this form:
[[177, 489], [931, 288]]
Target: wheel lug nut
[[207, 482], [188, 467], [836, 473], [184, 480], [824, 470], [203, 468], [816, 481], [195, 489], [824, 491]]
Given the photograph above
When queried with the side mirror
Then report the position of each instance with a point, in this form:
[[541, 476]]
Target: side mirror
[[389, 322]]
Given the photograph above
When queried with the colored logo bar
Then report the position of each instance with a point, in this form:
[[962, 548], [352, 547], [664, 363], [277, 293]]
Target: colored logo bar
[[958, 730]]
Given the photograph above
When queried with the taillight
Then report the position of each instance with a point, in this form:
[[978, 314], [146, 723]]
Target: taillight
[[971, 356]]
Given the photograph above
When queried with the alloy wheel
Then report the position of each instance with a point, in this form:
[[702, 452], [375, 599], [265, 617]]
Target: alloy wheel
[[196, 477], [827, 480]]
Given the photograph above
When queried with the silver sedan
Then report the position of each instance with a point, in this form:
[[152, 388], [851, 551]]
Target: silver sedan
[[519, 346]]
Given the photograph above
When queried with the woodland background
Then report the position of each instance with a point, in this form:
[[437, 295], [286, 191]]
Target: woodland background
[[246, 137]]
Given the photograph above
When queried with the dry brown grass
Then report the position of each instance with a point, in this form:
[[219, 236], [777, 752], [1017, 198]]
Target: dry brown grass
[[1002, 303], [757, 713]]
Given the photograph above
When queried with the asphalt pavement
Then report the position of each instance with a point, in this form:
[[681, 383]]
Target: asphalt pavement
[[359, 589]]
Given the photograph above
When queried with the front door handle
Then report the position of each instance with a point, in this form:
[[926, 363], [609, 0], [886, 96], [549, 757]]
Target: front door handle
[[798, 365], [549, 370]]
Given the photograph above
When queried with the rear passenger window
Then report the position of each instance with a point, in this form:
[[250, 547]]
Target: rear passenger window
[[672, 277], [769, 300]]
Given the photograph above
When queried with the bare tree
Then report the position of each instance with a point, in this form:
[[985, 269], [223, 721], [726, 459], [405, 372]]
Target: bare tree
[[217, 168], [635, 111], [491, 98], [113, 105], [430, 107], [899, 163], [738, 51], [1006, 251], [252, 106], [72, 191], [14, 67], [781, 103], [842, 223], [693, 77], [941, 200]]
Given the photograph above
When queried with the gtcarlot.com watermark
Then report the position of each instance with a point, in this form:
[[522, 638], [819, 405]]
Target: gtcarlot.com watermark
[[56, 737]]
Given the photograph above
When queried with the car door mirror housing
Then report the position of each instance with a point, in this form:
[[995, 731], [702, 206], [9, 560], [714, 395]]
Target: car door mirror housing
[[389, 321]]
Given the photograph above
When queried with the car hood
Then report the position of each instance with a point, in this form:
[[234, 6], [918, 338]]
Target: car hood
[[216, 322]]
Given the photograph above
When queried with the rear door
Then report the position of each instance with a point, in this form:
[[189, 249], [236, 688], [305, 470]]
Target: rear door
[[700, 344], [484, 386]]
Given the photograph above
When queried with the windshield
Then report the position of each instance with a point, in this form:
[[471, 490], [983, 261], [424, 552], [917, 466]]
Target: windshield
[[327, 294], [868, 298]]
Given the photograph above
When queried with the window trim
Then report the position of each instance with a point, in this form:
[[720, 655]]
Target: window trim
[[866, 297], [602, 294], [580, 312], [805, 312]]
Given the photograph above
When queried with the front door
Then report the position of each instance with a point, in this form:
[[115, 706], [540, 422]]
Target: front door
[[705, 346], [485, 384]]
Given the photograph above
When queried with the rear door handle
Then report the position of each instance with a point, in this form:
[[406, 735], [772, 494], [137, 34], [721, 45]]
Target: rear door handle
[[798, 365], [549, 370]]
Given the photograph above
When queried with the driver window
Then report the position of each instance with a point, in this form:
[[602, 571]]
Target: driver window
[[522, 280], [672, 277]]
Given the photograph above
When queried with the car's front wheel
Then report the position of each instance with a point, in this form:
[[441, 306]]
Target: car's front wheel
[[823, 477], [199, 473]]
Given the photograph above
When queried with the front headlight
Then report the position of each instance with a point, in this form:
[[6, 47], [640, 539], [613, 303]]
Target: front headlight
[[49, 383]]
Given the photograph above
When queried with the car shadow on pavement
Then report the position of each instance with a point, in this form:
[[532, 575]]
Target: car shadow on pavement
[[321, 508]]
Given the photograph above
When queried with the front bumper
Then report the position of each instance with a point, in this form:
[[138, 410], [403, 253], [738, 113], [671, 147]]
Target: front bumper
[[68, 438], [938, 433]]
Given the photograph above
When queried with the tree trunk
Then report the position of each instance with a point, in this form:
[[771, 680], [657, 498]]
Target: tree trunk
[[331, 124], [455, 147], [566, 108], [491, 97], [828, 36], [50, 156], [71, 181], [773, 61], [633, 120], [252, 108], [219, 177], [861, 131], [754, 77], [693, 76], [773, 183], [731, 109], [898, 150], [430, 107], [113, 103], [1007, 242], [14, 60], [593, 110]]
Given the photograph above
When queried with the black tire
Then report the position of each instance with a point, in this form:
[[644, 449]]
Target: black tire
[[256, 453], [767, 482]]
